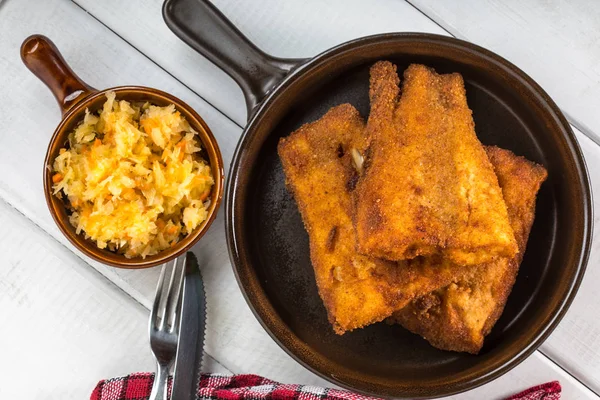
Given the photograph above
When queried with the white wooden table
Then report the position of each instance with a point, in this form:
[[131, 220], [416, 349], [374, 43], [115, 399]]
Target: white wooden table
[[67, 322]]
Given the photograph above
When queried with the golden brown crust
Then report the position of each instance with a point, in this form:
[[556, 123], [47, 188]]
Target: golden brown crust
[[428, 186], [459, 316], [357, 290]]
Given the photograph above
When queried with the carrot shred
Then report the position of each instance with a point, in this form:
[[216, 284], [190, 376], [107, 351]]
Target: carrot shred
[[57, 177], [147, 125], [181, 145], [204, 195]]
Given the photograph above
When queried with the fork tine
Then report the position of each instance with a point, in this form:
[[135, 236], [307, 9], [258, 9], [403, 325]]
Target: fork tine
[[157, 296], [157, 311], [176, 312], [164, 336], [166, 295], [173, 299]]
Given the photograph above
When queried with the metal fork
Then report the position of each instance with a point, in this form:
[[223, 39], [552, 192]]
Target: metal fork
[[164, 323]]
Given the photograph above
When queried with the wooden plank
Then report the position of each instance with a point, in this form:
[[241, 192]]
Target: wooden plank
[[535, 370], [554, 41], [60, 317], [102, 59], [575, 344], [65, 316], [234, 336], [65, 325], [297, 30], [284, 29]]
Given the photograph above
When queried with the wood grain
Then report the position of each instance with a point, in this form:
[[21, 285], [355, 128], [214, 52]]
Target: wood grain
[[69, 326], [554, 41], [235, 338], [66, 317], [103, 59], [284, 29], [297, 31]]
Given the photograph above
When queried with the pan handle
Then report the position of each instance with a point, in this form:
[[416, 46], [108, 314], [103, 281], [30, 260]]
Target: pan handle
[[42, 58], [204, 28]]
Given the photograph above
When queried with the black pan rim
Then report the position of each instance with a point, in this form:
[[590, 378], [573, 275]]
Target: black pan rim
[[532, 88]]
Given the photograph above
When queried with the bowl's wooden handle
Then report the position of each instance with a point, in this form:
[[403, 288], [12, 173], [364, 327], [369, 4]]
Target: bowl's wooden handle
[[42, 58]]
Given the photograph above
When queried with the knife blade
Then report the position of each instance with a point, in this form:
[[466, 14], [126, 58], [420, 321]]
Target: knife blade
[[192, 324]]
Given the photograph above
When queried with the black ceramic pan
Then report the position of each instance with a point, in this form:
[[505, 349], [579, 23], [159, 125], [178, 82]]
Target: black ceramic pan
[[269, 247]]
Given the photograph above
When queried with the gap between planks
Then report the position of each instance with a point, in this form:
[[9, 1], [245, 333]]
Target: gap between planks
[[451, 32], [567, 372], [5, 202], [154, 62], [583, 128]]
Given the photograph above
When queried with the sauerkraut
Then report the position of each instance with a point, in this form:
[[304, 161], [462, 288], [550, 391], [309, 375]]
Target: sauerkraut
[[133, 178]]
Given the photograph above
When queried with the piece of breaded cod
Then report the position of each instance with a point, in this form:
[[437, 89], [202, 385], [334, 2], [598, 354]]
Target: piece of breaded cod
[[356, 290], [459, 316], [428, 186]]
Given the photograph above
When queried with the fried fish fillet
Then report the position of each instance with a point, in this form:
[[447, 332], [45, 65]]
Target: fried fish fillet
[[428, 186], [459, 316], [356, 290]]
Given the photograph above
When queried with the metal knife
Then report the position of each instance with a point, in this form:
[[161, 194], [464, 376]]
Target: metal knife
[[192, 324]]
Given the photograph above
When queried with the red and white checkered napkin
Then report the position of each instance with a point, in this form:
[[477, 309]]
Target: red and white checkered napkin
[[250, 387]]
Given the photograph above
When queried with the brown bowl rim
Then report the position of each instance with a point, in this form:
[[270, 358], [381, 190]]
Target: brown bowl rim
[[88, 247]]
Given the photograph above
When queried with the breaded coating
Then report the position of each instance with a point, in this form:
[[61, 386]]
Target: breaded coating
[[356, 290], [428, 186], [459, 316]]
